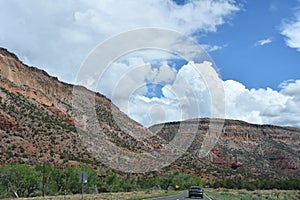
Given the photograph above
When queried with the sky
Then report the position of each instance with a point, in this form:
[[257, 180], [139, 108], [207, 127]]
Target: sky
[[254, 45]]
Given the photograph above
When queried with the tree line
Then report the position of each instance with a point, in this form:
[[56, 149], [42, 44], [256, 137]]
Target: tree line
[[28, 181], [259, 184], [25, 181]]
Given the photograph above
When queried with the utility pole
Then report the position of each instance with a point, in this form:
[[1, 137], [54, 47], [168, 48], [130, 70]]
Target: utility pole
[[83, 178], [82, 185], [43, 181]]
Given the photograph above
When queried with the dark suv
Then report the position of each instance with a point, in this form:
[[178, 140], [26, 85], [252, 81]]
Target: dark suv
[[196, 191]]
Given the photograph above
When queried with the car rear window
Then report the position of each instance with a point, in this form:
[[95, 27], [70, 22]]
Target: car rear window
[[195, 188]]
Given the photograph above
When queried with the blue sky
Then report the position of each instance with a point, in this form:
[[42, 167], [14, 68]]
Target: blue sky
[[255, 45], [243, 59]]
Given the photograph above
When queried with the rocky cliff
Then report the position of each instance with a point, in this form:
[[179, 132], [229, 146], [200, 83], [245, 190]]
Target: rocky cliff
[[38, 119], [242, 148]]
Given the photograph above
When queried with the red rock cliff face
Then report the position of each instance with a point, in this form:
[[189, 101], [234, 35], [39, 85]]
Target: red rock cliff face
[[33, 83], [37, 109]]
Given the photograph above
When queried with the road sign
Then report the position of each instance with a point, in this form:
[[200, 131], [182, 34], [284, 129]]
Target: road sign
[[83, 177]]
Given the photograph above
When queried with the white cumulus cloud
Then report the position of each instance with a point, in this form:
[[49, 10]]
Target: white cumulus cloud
[[291, 32], [264, 106], [188, 95], [58, 35]]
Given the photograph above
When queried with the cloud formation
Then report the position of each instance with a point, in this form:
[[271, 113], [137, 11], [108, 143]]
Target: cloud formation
[[291, 29], [192, 92], [263, 42], [211, 48], [186, 95], [58, 35], [264, 106], [258, 106]]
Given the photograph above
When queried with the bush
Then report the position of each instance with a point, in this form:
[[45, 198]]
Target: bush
[[21, 179]]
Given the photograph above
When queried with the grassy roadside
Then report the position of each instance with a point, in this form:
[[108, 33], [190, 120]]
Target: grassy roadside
[[166, 193], [224, 194], [111, 196]]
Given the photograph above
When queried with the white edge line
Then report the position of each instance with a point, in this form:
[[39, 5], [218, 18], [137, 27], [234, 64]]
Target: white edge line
[[207, 197]]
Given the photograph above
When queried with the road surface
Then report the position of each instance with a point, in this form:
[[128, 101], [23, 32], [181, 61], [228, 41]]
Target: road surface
[[182, 196]]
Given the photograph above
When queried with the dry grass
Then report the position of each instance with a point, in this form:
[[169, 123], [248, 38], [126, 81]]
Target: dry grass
[[108, 196], [224, 194]]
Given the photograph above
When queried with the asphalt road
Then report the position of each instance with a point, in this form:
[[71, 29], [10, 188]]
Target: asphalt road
[[182, 196]]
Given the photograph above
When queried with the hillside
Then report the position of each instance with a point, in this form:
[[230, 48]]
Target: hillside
[[246, 149], [38, 118], [38, 124]]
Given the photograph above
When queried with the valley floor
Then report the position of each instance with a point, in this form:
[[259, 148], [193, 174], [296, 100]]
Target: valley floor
[[109, 196], [224, 194], [215, 194]]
